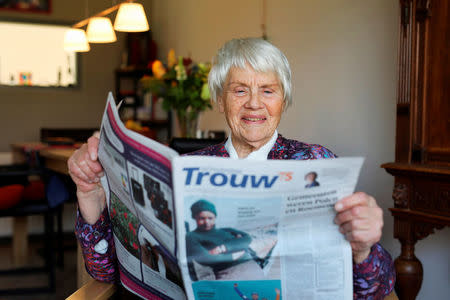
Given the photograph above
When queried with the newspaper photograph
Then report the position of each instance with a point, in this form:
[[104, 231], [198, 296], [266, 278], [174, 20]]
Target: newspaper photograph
[[196, 227]]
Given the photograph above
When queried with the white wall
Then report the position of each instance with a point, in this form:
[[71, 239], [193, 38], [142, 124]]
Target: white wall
[[343, 56]]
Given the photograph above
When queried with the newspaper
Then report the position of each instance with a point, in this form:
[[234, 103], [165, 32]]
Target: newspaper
[[196, 227]]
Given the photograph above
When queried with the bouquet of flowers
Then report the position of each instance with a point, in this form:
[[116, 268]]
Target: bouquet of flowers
[[183, 86]]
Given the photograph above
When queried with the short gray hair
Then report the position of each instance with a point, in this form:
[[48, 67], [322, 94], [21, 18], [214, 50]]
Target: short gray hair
[[261, 55]]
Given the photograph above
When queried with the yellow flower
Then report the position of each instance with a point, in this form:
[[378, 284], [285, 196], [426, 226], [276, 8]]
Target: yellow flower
[[171, 59], [181, 70], [158, 69], [205, 92]]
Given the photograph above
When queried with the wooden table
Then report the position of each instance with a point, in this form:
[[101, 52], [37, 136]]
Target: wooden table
[[55, 160]]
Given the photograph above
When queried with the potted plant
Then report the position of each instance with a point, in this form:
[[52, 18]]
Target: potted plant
[[183, 86]]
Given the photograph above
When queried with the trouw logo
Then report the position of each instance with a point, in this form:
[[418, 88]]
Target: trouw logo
[[195, 177]]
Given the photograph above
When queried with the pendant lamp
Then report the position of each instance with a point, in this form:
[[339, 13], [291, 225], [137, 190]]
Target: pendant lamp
[[131, 18], [75, 40], [100, 30]]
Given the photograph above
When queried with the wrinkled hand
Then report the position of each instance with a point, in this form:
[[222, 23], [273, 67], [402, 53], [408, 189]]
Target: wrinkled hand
[[86, 171], [84, 167], [360, 219]]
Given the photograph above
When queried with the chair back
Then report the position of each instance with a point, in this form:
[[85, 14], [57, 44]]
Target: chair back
[[187, 145], [14, 174], [57, 192], [50, 135]]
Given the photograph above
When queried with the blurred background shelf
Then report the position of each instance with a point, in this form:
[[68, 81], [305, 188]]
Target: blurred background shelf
[[128, 89]]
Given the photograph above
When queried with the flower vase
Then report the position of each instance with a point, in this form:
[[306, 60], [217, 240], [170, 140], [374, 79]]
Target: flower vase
[[187, 123]]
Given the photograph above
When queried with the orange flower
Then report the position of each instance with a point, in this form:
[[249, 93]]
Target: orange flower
[[158, 69], [171, 59]]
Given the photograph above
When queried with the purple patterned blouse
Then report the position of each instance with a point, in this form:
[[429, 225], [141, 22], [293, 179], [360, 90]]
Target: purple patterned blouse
[[373, 278]]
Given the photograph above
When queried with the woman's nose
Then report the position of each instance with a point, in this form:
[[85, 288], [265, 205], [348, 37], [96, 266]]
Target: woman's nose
[[254, 101]]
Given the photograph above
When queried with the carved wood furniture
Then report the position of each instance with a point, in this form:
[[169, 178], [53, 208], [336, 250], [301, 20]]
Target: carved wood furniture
[[422, 159]]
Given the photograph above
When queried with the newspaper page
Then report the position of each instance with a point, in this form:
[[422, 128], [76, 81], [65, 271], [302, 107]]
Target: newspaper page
[[263, 230], [139, 192]]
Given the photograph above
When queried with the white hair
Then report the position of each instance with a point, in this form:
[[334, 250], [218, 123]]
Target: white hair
[[261, 55]]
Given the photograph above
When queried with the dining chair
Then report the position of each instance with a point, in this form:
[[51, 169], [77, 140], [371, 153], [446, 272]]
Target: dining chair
[[22, 197]]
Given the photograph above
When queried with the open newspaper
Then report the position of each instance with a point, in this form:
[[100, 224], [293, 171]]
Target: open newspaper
[[197, 227]]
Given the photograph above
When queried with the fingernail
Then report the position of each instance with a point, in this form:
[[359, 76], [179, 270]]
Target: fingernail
[[338, 206], [92, 156], [101, 174]]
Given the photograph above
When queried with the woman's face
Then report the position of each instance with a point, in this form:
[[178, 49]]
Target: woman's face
[[252, 103]]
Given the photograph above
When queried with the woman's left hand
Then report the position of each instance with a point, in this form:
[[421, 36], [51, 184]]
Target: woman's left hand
[[360, 219]]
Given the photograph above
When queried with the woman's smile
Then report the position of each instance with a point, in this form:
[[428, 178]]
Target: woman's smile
[[254, 119]]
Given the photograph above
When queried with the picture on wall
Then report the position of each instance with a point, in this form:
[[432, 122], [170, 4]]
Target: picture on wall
[[37, 6]]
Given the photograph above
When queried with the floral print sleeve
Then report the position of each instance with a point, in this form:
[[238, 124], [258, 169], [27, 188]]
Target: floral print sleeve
[[292, 149], [374, 278], [97, 244]]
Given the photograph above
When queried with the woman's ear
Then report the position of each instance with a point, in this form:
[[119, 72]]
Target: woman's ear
[[221, 104], [285, 106]]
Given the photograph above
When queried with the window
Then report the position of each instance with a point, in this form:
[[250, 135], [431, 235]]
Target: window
[[33, 55]]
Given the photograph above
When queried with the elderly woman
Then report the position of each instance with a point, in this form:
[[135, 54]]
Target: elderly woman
[[251, 83]]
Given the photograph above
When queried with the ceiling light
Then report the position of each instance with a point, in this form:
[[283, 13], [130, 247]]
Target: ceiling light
[[100, 30], [75, 40], [131, 18]]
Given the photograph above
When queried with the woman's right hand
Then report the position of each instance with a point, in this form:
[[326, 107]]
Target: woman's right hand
[[86, 171]]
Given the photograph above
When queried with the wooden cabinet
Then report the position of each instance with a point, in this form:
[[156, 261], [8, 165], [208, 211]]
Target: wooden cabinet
[[422, 160], [127, 84], [127, 88]]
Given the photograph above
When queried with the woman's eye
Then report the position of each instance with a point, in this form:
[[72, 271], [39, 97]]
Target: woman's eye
[[240, 92]]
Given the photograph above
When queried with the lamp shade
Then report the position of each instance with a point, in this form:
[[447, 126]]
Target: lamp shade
[[100, 30], [75, 40], [131, 18]]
